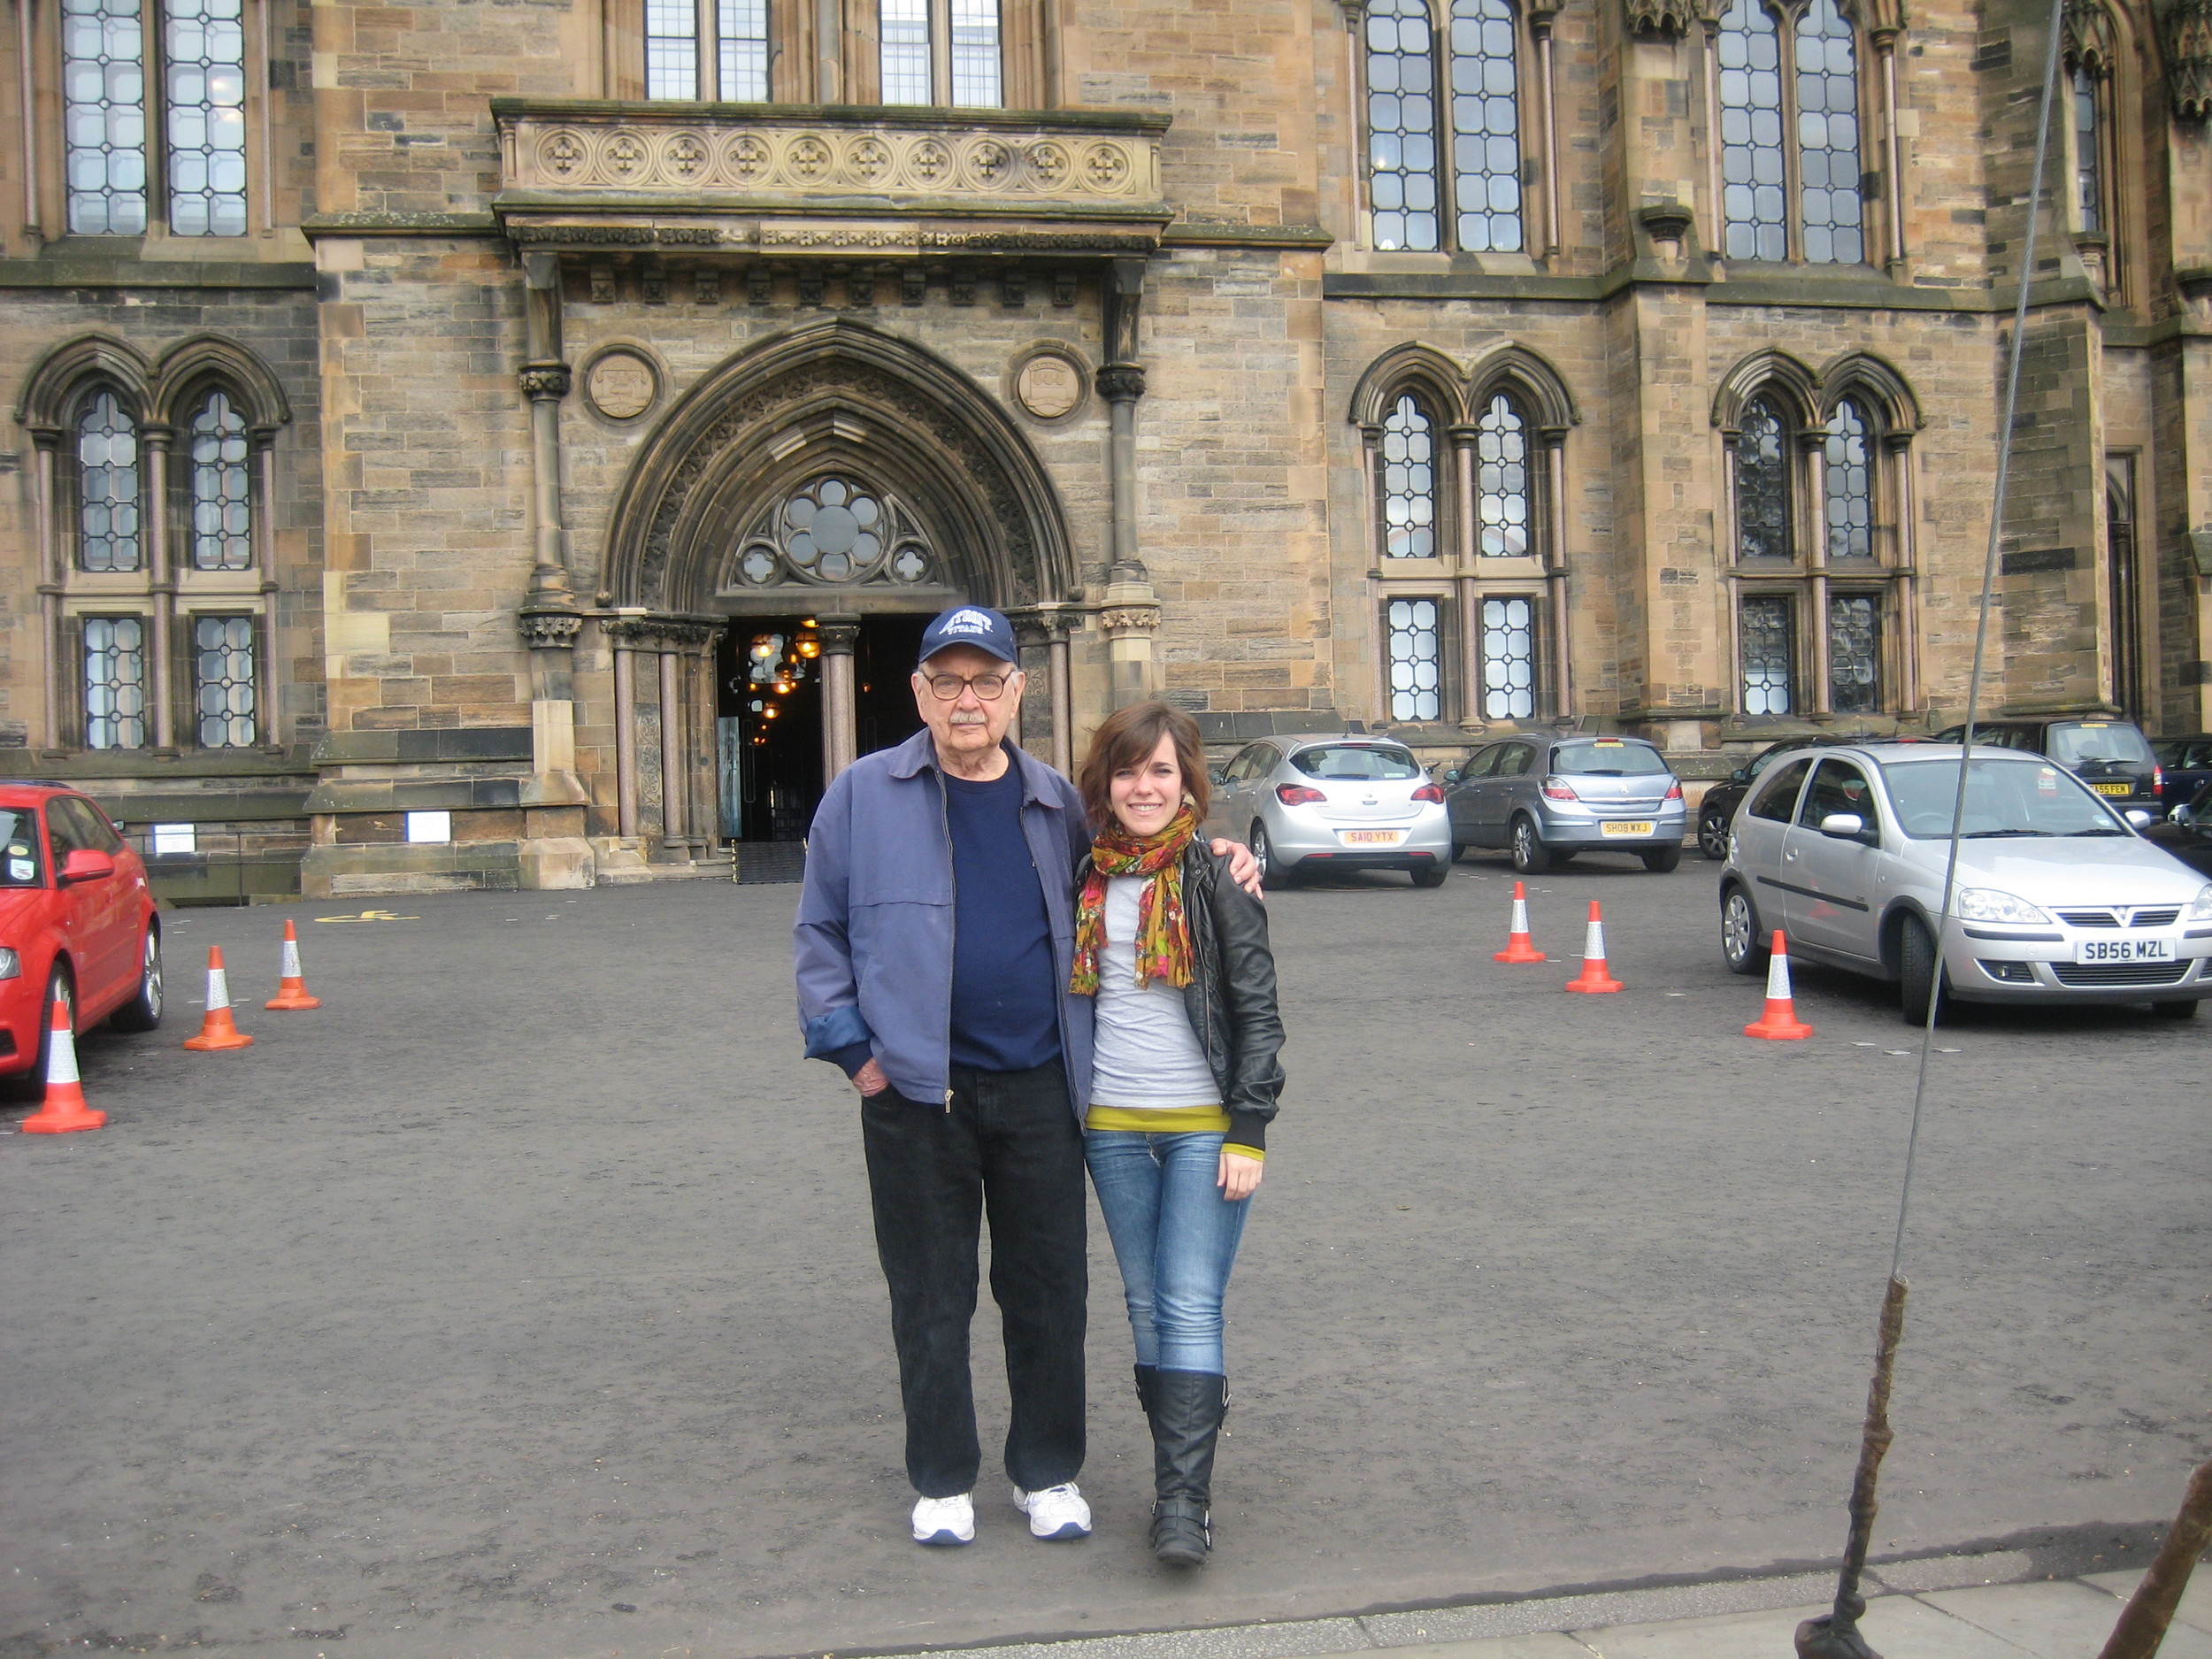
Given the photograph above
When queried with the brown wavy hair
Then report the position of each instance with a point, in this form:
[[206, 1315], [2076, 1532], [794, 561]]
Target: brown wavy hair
[[1126, 740]]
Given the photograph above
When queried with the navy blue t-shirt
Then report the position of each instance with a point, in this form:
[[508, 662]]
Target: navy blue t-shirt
[[1005, 1002]]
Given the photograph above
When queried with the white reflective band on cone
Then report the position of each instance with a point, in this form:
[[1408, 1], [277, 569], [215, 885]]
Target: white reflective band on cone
[[1594, 942], [1778, 977], [61, 1055], [217, 987], [290, 967], [1520, 916]]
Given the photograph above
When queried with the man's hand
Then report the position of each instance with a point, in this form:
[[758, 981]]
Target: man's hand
[[1244, 870], [870, 1080], [1239, 1177]]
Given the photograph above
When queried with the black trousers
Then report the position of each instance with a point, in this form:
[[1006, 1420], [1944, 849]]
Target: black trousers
[[1007, 1147]]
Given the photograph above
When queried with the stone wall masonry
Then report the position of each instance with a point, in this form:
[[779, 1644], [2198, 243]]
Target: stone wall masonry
[[2054, 649]]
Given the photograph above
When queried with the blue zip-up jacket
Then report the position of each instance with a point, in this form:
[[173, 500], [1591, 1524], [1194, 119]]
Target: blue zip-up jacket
[[873, 940]]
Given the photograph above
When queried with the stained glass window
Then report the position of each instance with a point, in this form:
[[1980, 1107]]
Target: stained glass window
[[836, 529], [104, 116], [1416, 661], [902, 33], [1854, 653], [1828, 136], [1850, 484], [222, 509], [1768, 647], [205, 68], [1509, 659], [2088, 153], [1501, 512], [1408, 481], [1486, 126], [1763, 484], [975, 55], [1752, 200], [114, 683], [107, 486], [222, 680], [741, 27], [1401, 125], [672, 50]]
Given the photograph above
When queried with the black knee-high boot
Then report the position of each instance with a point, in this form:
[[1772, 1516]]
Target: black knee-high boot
[[1145, 1386], [1185, 1423]]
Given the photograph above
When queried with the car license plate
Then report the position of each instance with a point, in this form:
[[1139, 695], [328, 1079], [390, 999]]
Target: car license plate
[[2113, 788], [1370, 838], [1631, 826], [2123, 951]]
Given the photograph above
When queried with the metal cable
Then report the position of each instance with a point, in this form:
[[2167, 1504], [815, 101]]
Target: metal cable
[[1981, 625]]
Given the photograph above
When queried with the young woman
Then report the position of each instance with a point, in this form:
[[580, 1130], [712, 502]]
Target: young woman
[[1184, 1081]]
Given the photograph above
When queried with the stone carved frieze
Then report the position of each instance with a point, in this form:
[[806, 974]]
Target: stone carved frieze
[[662, 633], [690, 153], [1671, 17], [2188, 29], [549, 630]]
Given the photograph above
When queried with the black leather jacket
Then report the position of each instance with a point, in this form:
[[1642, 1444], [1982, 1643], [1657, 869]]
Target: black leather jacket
[[1230, 998]]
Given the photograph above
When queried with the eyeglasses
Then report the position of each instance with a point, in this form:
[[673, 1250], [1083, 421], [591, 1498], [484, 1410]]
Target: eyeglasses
[[946, 688]]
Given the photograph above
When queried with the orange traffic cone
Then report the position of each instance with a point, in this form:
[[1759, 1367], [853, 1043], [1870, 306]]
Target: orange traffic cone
[[65, 1110], [1593, 977], [217, 1029], [1779, 1023], [291, 986], [1518, 946]]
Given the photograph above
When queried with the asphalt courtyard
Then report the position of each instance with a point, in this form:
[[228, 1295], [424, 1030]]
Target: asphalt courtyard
[[522, 1300]]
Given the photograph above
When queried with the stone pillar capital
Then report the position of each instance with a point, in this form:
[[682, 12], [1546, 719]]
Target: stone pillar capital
[[545, 380], [1121, 382]]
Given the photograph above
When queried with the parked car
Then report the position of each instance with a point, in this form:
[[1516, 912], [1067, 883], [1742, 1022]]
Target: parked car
[[1550, 798], [1722, 800], [2186, 763], [1306, 805], [2194, 816], [2058, 898], [2112, 756], [77, 921]]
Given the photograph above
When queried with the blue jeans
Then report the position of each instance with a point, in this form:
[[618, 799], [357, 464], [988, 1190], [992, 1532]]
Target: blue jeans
[[1175, 1236]]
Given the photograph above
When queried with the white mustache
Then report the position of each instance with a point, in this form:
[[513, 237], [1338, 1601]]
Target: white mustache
[[967, 719]]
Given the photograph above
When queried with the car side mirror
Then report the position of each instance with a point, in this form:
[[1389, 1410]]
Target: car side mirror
[[1742, 774], [85, 864], [1218, 774], [2136, 816], [1846, 826], [1452, 775], [2183, 816]]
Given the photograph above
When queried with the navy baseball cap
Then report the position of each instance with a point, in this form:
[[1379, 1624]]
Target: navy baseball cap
[[971, 624]]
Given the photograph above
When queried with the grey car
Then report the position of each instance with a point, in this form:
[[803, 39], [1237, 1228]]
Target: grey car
[[1548, 798], [1310, 804], [2058, 900]]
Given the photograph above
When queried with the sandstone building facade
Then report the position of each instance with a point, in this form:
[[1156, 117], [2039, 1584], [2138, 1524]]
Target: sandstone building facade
[[466, 443]]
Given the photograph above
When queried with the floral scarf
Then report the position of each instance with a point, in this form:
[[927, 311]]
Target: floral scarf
[[1163, 949]]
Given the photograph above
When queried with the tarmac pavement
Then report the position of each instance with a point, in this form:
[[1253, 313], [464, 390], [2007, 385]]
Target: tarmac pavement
[[522, 1300]]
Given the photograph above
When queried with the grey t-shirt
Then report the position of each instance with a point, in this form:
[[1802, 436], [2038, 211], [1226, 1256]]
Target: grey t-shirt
[[1147, 1056]]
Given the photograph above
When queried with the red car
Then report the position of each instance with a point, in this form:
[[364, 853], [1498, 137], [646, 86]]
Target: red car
[[77, 921]]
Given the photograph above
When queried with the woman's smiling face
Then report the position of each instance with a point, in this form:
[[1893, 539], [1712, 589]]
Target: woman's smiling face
[[1147, 796]]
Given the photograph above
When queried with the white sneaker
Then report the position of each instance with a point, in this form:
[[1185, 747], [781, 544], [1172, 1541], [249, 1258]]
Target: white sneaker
[[1055, 1513], [944, 1520]]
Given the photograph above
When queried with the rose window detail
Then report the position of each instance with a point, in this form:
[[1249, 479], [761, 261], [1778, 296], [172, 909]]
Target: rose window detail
[[836, 531], [687, 156], [625, 155], [747, 158], [1106, 167], [564, 155], [810, 158], [869, 160], [929, 162], [1049, 166], [988, 163]]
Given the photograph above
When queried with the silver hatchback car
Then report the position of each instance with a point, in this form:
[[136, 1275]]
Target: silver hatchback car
[[2058, 900], [1550, 797], [1308, 805]]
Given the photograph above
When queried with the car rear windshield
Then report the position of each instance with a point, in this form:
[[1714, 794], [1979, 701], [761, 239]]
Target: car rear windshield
[[1357, 761], [1607, 757], [2098, 740], [2003, 798], [18, 848]]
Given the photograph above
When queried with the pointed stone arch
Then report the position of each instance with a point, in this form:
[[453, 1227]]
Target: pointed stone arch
[[1768, 371], [836, 393], [1517, 370], [54, 385], [1413, 366], [1874, 381], [190, 368]]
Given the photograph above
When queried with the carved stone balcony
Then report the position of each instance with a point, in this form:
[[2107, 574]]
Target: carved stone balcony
[[828, 179]]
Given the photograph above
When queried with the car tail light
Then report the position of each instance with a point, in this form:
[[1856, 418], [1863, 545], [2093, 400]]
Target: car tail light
[[1298, 795], [1430, 792], [1557, 789], [2158, 780], [1674, 790]]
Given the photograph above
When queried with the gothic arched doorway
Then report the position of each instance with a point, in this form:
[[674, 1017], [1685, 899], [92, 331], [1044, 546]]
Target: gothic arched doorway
[[784, 533]]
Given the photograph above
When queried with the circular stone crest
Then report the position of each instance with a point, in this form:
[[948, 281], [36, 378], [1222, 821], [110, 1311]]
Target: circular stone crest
[[1050, 384], [621, 385]]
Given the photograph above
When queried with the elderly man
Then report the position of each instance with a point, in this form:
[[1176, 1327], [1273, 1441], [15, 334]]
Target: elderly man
[[934, 942]]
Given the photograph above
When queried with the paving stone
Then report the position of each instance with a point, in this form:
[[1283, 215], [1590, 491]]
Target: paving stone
[[2196, 1600], [2058, 1621]]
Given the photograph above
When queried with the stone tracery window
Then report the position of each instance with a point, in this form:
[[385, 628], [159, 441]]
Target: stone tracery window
[[1408, 481], [111, 174], [1501, 482], [1430, 94], [222, 488], [836, 531], [1509, 658], [718, 49], [1791, 184], [941, 51], [1763, 484], [1415, 658], [107, 486], [1850, 484]]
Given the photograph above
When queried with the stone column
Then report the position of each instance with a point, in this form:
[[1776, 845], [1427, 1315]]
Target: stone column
[[48, 441], [622, 636], [1131, 620], [1062, 694], [1132, 617], [1554, 442], [706, 818], [673, 723], [261, 440], [163, 669], [841, 714], [1814, 444], [1541, 15], [1466, 556]]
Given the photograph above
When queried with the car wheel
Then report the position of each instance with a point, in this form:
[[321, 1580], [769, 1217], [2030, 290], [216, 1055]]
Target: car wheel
[[1273, 877], [1531, 857], [1742, 941], [2175, 1010], [143, 1012], [1918, 976], [1712, 836], [1432, 876], [1660, 860], [58, 984]]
